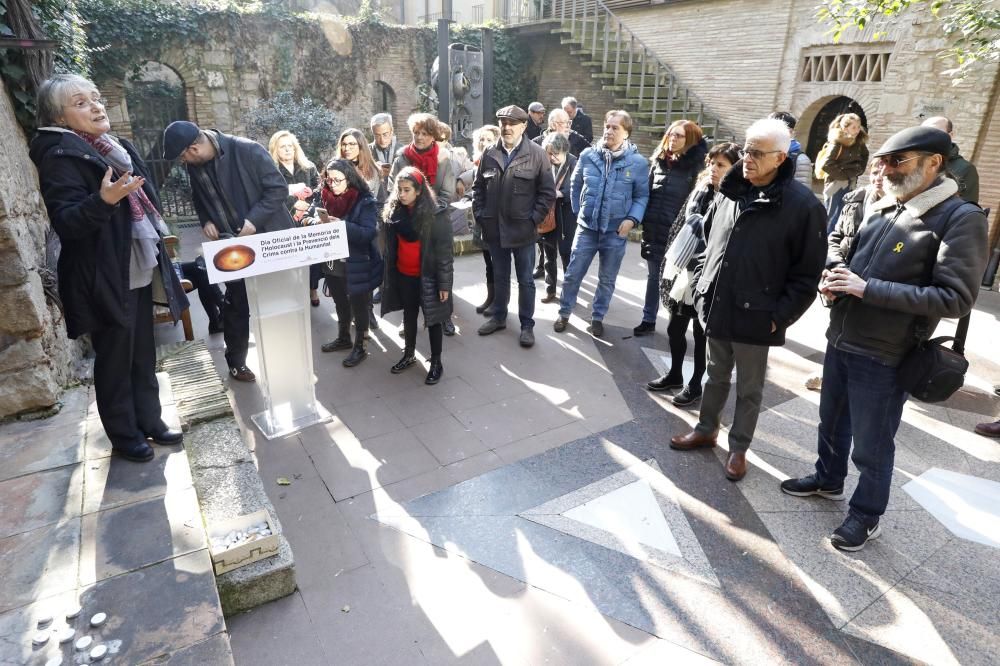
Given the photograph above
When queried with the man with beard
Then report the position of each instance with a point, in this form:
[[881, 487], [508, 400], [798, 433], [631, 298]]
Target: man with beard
[[927, 248]]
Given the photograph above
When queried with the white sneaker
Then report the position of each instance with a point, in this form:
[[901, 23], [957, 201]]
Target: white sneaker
[[814, 382]]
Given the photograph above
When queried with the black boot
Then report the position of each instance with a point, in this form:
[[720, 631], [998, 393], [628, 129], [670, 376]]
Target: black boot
[[435, 371], [372, 319], [342, 341], [480, 309], [403, 363], [358, 353]]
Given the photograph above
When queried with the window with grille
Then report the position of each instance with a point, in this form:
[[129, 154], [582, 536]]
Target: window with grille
[[854, 67]]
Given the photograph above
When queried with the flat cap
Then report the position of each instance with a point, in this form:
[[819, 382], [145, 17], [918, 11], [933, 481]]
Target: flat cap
[[536, 107], [926, 139], [177, 137], [512, 112]]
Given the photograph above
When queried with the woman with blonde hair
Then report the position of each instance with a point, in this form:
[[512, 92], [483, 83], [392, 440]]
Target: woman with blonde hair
[[673, 170], [303, 187], [841, 160]]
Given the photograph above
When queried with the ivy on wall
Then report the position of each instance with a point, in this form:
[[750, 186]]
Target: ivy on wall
[[57, 20]]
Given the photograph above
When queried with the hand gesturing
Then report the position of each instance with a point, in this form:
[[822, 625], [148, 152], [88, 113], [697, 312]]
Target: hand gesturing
[[113, 192]]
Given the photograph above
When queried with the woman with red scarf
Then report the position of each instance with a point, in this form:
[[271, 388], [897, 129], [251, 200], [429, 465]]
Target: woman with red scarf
[[419, 267], [113, 264], [351, 281]]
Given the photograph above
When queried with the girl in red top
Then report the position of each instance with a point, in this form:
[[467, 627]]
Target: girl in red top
[[418, 266]]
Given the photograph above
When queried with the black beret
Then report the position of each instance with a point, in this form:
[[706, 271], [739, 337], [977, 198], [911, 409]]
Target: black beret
[[177, 137], [514, 113], [925, 139]]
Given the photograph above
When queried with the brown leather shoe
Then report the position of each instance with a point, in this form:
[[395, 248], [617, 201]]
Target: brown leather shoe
[[989, 429], [693, 440], [736, 465]]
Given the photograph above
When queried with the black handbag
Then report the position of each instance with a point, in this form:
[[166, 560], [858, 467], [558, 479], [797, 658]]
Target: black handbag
[[932, 372]]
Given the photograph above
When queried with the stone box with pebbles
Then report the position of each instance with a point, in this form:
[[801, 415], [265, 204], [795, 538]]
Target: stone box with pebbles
[[240, 541]]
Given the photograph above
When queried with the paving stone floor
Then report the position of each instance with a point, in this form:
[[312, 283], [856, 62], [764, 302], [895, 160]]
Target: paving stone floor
[[79, 526], [475, 522]]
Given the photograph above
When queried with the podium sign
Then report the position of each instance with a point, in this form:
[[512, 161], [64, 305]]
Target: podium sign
[[276, 270]]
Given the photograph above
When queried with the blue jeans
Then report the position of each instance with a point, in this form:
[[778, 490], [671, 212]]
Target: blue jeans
[[652, 303], [611, 248], [860, 400], [524, 268]]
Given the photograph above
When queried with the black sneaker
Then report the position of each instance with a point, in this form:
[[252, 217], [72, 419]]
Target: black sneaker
[[596, 328], [853, 534], [809, 485], [665, 383], [644, 328], [687, 397], [561, 324]]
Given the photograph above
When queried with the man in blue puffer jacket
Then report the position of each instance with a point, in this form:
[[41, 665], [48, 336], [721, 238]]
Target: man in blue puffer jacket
[[609, 192]]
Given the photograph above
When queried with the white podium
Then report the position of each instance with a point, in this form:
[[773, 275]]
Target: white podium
[[280, 316], [275, 270]]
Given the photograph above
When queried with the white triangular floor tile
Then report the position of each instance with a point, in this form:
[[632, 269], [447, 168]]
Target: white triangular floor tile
[[967, 505], [632, 514]]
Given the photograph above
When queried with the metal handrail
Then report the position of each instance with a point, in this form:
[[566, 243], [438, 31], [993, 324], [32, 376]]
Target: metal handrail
[[548, 12]]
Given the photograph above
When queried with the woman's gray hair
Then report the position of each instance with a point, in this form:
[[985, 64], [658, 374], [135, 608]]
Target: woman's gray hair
[[773, 129], [54, 94], [556, 142]]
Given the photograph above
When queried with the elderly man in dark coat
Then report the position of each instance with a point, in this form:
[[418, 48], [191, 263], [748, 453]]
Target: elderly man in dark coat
[[238, 191], [766, 237], [512, 193]]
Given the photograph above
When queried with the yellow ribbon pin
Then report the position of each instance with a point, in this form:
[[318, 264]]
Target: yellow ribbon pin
[[898, 248]]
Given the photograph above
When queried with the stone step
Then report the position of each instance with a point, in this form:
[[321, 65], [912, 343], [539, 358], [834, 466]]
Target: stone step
[[225, 477]]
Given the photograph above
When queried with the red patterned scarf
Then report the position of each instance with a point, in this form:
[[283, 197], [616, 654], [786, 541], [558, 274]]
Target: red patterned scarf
[[339, 206], [139, 204]]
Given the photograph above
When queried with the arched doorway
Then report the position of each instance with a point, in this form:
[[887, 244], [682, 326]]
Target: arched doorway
[[821, 123], [155, 97]]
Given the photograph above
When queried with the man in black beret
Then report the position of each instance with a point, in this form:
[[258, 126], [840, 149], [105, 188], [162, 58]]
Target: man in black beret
[[927, 248], [237, 191], [512, 192]]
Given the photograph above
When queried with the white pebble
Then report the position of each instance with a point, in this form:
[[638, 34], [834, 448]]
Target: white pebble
[[98, 619], [266, 533], [98, 652], [84, 642], [40, 638], [74, 611], [55, 661], [44, 621], [66, 634]]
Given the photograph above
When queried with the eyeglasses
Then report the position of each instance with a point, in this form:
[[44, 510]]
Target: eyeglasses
[[677, 135], [82, 104], [893, 160], [755, 155], [349, 144], [335, 181]]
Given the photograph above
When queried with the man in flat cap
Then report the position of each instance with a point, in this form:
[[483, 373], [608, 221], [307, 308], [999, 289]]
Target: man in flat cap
[[237, 191], [512, 192], [536, 118], [918, 257]]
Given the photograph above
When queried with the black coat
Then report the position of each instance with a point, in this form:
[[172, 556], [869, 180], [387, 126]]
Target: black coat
[[364, 264], [510, 202], [96, 238], [308, 176], [252, 182], [565, 218], [582, 124], [770, 247], [669, 186], [436, 267]]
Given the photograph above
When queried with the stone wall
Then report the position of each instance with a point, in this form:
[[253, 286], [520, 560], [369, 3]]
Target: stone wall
[[36, 358], [226, 78], [744, 59]]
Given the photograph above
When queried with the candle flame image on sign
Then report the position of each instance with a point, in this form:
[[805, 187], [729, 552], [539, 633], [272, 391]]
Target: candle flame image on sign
[[234, 258]]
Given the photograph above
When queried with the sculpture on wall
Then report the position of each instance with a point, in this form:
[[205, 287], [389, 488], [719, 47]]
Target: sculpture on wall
[[465, 94]]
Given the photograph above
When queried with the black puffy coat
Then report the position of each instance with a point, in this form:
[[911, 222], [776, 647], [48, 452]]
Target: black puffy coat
[[364, 264], [565, 218], [96, 238], [670, 183], [436, 266], [769, 245]]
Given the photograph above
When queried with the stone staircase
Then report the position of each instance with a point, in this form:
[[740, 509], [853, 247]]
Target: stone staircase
[[629, 71]]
